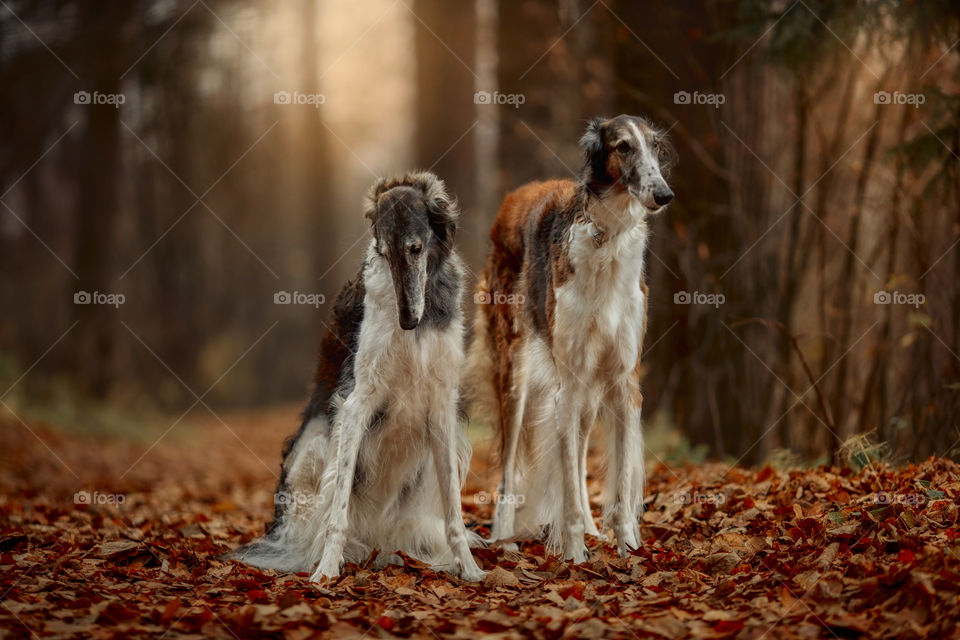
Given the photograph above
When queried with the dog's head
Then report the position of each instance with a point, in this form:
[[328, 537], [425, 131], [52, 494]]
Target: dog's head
[[414, 222], [627, 153]]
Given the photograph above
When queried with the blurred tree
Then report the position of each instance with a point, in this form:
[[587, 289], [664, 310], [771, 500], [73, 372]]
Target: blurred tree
[[445, 119]]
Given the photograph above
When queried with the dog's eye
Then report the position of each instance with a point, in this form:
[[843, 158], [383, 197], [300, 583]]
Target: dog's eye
[[415, 249], [623, 147]]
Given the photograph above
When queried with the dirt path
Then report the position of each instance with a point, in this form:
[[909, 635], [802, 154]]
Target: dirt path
[[120, 538]]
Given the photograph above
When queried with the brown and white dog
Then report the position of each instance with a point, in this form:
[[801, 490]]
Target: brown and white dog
[[559, 331]]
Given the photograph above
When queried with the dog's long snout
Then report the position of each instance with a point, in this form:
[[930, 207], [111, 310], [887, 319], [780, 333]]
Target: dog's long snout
[[662, 195], [409, 308], [409, 282]]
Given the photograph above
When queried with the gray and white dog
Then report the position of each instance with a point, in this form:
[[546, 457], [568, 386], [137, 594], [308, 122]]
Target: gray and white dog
[[379, 460]]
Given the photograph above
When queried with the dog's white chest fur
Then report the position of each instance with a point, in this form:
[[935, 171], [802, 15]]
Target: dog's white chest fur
[[599, 312], [405, 361], [414, 369]]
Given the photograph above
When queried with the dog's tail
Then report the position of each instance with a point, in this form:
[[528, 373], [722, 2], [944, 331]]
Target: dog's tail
[[290, 544], [265, 553]]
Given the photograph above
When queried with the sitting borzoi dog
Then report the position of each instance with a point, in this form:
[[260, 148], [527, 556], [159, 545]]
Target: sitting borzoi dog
[[378, 462], [560, 344]]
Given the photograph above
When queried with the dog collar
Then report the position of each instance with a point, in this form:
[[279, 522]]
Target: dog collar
[[599, 235]]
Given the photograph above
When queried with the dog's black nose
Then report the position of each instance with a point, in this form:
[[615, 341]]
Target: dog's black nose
[[408, 322], [662, 196]]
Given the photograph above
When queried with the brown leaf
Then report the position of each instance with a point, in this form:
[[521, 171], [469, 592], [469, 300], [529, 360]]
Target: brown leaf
[[500, 577], [828, 556], [722, 562]]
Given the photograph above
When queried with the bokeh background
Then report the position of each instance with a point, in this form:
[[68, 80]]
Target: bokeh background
[[804, 285]]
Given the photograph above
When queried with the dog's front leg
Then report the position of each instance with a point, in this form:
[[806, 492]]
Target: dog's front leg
[[442, 429], [627, 467], [348, 431], [568, 423]]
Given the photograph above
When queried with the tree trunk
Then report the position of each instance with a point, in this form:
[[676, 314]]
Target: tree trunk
[[445, 78], [97, 206]]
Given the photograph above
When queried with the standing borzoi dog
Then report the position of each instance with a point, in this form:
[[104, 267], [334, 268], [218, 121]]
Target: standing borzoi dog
[[378, 462], [558, 344]]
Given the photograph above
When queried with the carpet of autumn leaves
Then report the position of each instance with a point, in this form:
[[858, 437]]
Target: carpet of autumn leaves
[[728, 553]]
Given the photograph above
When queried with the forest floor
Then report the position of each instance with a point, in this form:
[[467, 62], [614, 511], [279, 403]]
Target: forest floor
[[728, 553]]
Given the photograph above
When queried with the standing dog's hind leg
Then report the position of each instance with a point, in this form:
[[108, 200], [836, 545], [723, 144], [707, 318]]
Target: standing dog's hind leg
[[512, 413]]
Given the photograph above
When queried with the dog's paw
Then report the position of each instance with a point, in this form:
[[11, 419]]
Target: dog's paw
[[506, 546], [627, 543], [326, 569], [579, 554], [321, 576], [473, 574], [627, 540]]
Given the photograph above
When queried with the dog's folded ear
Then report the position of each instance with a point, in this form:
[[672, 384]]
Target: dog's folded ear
[[372, 199], [667, 155], [594, 149], [442, 208]]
